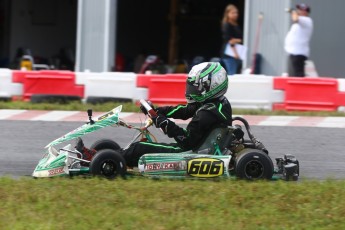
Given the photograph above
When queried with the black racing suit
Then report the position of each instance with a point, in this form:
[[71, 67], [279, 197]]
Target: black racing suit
[[205, 117]]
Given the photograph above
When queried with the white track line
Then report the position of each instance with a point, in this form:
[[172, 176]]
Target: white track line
[[60, 115], [54, 116], [332, 122], [6, 113], [125, 114], [278, 120]]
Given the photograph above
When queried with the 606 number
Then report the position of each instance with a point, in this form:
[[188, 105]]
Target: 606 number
[[205, 167]]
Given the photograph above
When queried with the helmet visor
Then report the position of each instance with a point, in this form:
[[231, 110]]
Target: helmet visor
[[190, 91]]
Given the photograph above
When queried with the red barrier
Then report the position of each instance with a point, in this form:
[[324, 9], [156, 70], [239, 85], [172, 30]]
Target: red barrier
[[163, 89], [309, 94], [167, 91], [59, 83], [18, 76]]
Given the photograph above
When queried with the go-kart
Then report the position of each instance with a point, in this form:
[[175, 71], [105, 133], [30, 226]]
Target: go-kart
[[225, 153]]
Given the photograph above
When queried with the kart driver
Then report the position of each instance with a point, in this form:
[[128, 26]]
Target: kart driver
[[205, 88], [207, 106]]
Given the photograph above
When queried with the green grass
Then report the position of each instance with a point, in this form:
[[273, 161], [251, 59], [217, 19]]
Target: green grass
[[164, 204], [131, 107]]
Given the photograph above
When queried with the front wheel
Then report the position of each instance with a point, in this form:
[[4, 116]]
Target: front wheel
[[108, 163], [253, 164]]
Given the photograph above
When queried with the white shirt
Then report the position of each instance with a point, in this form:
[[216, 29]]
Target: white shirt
[[297, 39]]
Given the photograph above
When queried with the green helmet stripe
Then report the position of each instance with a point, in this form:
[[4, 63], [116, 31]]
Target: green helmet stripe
[[219, 67], [209, 70], [173, 111], [214, 68]]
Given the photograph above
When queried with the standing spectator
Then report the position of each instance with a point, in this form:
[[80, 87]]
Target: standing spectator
[[232, 34], [297, 39]]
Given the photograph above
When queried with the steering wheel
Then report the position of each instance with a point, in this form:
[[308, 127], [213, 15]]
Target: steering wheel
[[149, 109]]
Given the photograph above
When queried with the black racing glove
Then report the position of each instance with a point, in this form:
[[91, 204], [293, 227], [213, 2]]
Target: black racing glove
[[143, 109], [161, 122]]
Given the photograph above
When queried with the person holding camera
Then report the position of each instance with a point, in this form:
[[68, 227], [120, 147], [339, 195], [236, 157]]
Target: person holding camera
[[298, 38]]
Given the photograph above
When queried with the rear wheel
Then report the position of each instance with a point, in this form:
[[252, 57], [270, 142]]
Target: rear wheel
[[253, 164], [108, 163], [105, 144]]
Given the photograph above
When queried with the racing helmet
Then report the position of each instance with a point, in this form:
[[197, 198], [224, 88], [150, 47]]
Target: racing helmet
[[205, 81]]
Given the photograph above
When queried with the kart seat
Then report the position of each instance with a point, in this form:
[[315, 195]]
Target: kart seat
[[218, 137]]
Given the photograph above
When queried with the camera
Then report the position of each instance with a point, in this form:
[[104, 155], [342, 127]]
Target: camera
[[289, 10]]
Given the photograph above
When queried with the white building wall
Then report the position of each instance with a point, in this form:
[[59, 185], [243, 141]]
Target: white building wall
[[96, 35], [275, 24], [327, 47]]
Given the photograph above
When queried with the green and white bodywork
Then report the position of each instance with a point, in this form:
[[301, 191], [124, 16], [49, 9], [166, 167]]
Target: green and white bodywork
[[107, 119], [65, 161], [182, 165], [208, 163]]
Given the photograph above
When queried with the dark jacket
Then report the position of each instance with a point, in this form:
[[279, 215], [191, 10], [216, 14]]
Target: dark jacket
[[229, 31], [204, 118]]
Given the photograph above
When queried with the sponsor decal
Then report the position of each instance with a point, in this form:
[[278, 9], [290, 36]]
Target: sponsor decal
[[205, 167], [104, 116], [56, 171], [165, 166]]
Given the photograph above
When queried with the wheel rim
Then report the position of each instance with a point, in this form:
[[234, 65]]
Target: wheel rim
[[109, 168], [254, 169]]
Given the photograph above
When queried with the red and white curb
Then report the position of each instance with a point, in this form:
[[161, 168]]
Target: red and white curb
[[39, 115]]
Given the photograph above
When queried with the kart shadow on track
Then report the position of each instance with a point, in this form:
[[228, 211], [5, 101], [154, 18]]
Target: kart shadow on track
[[226, 152]]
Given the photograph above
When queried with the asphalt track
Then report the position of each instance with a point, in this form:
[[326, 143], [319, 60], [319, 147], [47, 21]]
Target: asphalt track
[[320, 150]]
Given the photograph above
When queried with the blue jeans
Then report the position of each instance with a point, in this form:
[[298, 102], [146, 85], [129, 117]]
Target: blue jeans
[[231, 65]]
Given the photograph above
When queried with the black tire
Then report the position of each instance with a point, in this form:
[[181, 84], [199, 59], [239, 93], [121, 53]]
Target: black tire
[[108, 163], [100, 100], [49, 98], [253, 164], [105, 144], [5, 99]]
